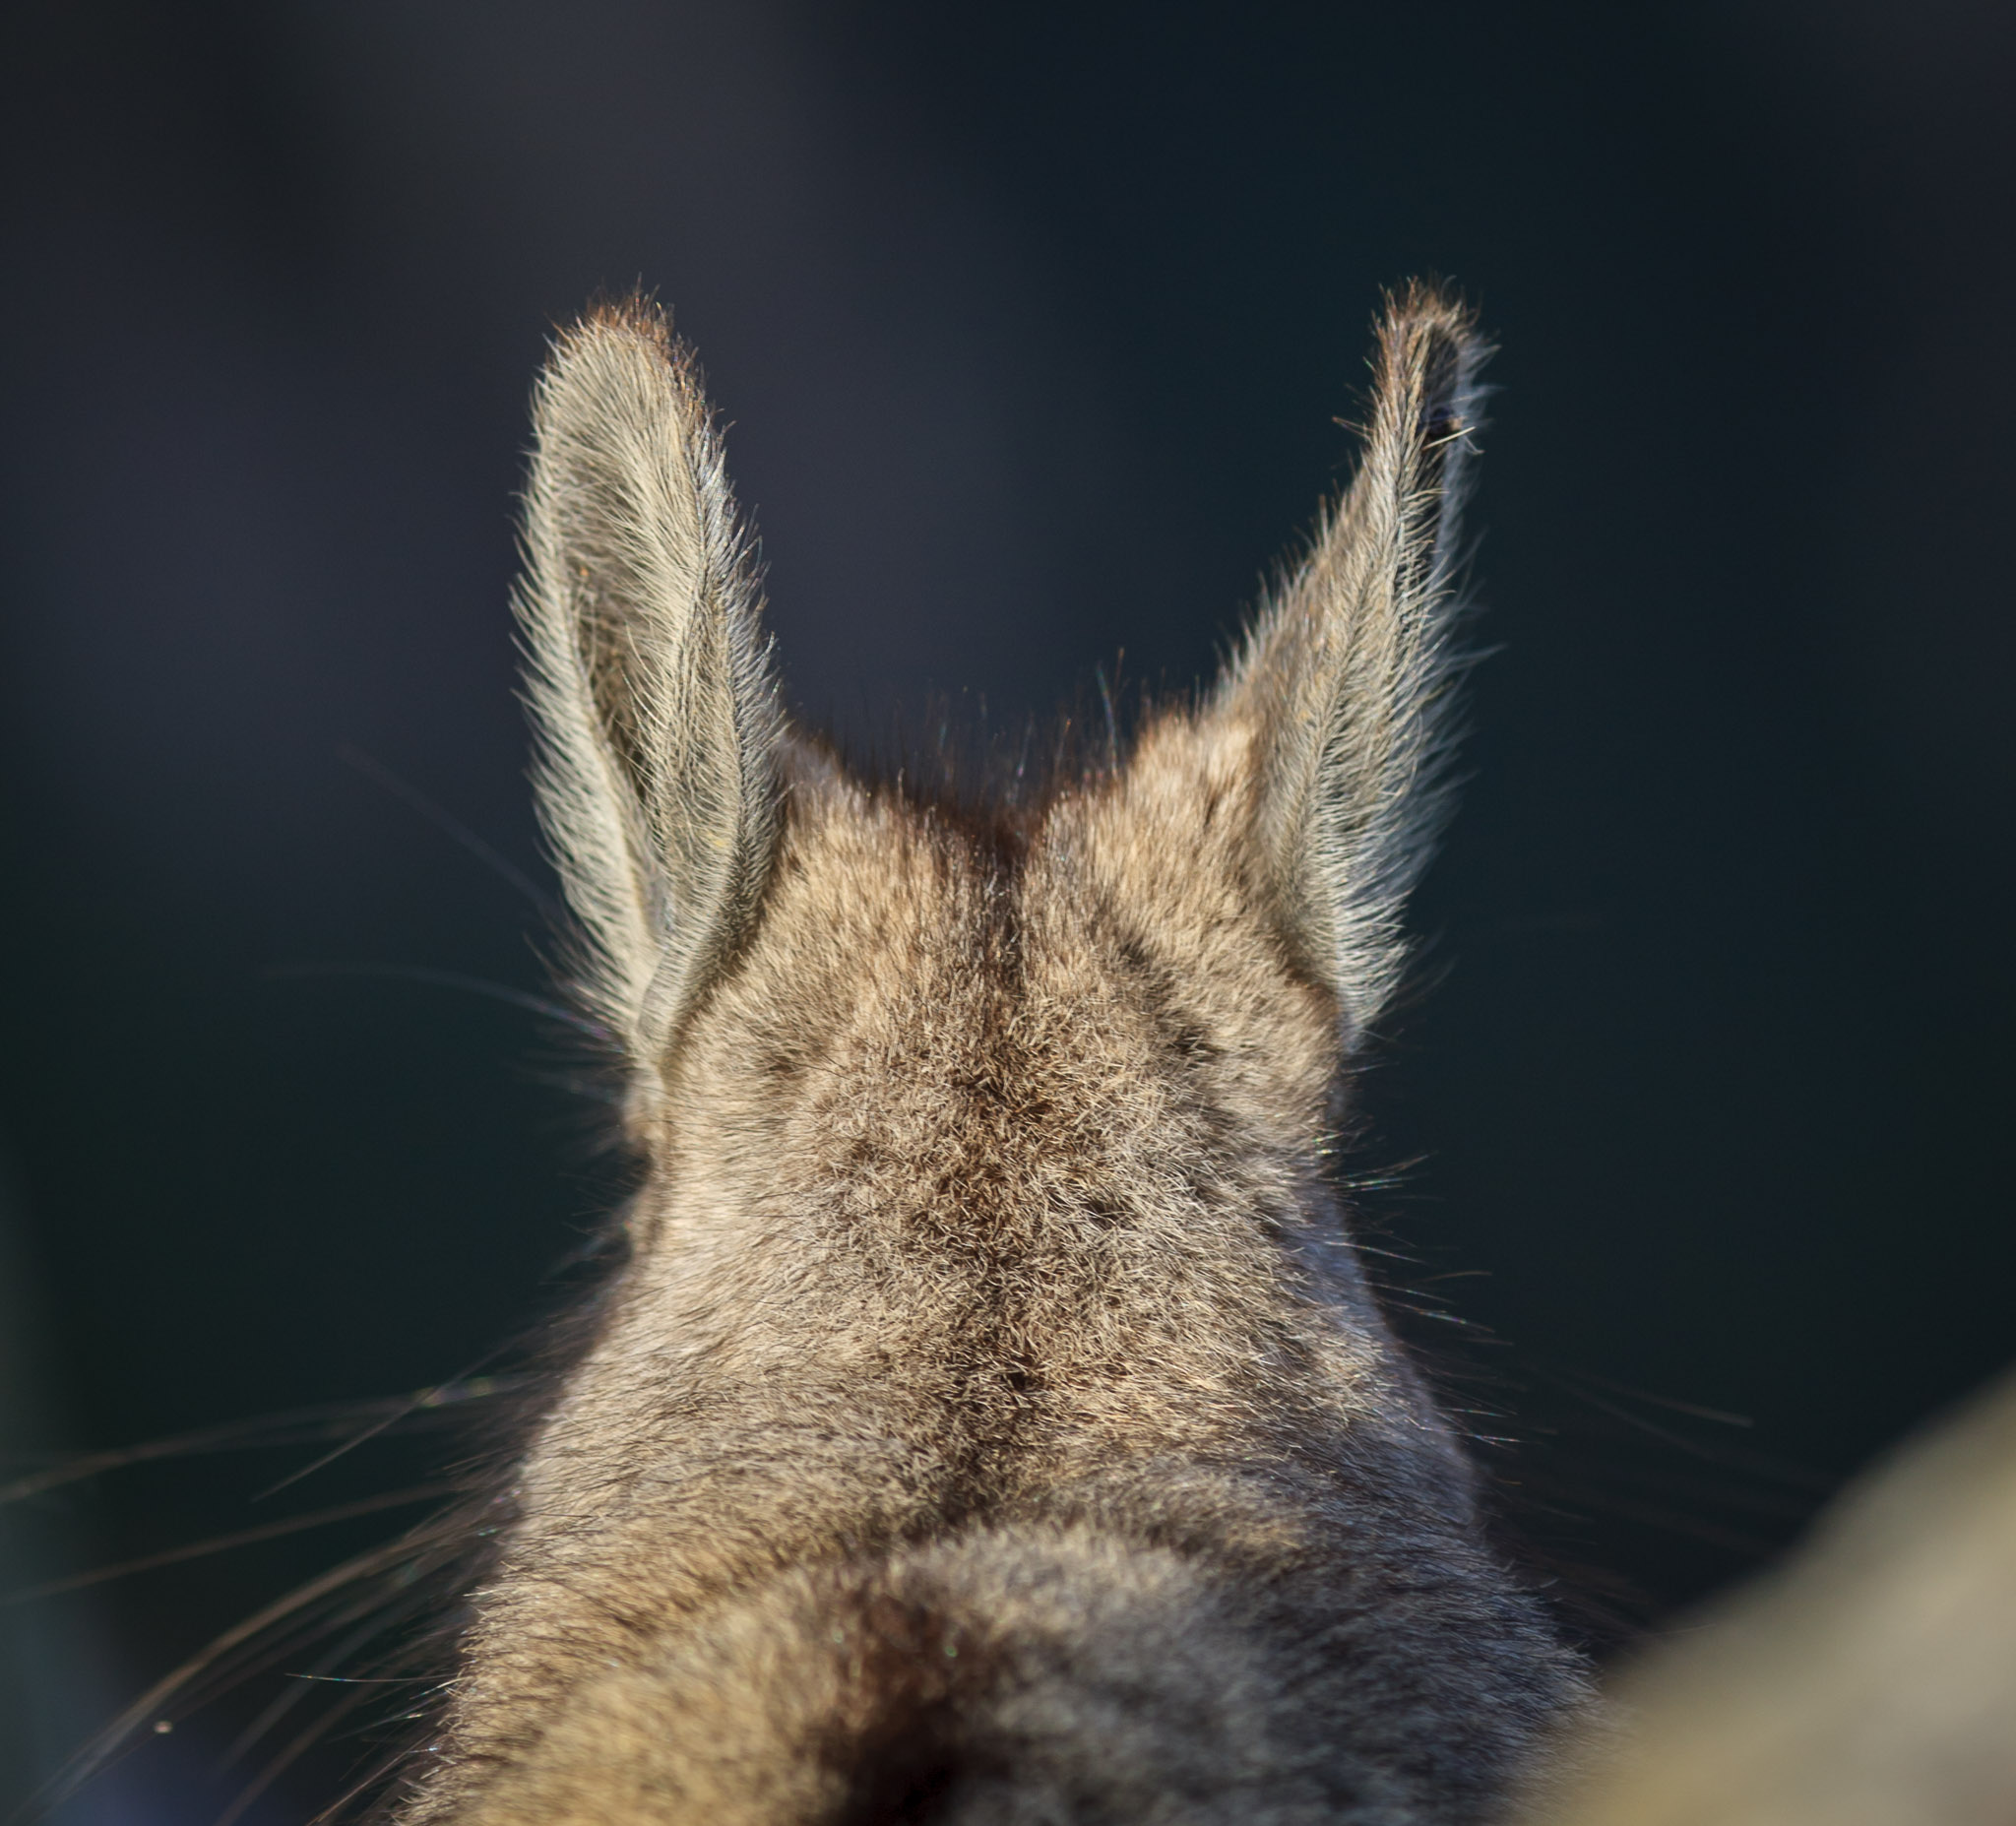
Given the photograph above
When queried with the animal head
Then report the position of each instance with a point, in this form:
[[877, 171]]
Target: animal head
[[992, 1365], [1260, 843]]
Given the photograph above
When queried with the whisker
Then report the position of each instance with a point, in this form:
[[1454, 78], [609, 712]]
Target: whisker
[[290, 1426], [303, 1633], [453, 826], [1112, 725], [1692, 1409], [379, 1617], [447, 980], [339, 1807], [298, 1747], [424, 1399], [223, 1544], [119, 1735], [1724, 1453]]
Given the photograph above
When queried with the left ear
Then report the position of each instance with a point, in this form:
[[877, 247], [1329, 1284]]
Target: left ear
[[647, 674], [1341, 680]]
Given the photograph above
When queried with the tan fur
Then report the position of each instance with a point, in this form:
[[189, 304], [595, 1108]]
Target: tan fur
[[993, 1423]]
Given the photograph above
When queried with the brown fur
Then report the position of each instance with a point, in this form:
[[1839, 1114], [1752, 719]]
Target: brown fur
[[992, 1424]]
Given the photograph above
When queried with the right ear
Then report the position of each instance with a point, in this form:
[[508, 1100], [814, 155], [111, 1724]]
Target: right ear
[[649, 685], [1344, 682]]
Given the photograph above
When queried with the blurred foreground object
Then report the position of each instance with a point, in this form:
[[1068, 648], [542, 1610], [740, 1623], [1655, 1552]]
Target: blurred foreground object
[[1871, 1682]]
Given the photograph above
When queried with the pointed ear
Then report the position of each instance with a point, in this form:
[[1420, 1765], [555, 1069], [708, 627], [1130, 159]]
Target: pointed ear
[[649, 684], [1341, 681]]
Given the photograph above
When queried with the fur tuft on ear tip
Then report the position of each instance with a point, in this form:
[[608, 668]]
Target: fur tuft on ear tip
[[1427, 355], [635, 318]]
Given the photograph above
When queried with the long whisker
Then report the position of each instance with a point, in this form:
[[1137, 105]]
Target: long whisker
[[1726, 1453], [298, 1747], [223, 1544], [290, 1426], [453, 826], [339, 1807], [303, 1633], [118, 1735], [447, 980], [424, 1399], [1691, 1408], [380, 1617], [306, 1684]]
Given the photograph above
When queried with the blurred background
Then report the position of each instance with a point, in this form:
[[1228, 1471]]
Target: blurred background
[[1694, 1143]]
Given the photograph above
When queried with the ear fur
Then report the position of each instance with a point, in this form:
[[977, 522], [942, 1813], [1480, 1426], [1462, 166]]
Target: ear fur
[[1344, 674], [647, 681]]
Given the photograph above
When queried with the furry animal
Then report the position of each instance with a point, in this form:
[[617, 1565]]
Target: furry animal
[[993, 1423]]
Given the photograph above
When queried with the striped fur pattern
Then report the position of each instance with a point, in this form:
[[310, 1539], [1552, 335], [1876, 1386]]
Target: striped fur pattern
[[992, 1424]]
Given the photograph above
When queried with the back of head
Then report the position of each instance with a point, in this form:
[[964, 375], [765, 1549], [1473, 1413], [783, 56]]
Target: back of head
[[993, 1423]]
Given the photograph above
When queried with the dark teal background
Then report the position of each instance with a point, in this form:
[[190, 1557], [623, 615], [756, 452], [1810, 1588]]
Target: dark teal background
[[1032, 323]]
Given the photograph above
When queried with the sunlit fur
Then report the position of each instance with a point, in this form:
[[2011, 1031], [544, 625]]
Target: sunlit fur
[[993, 1423]]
